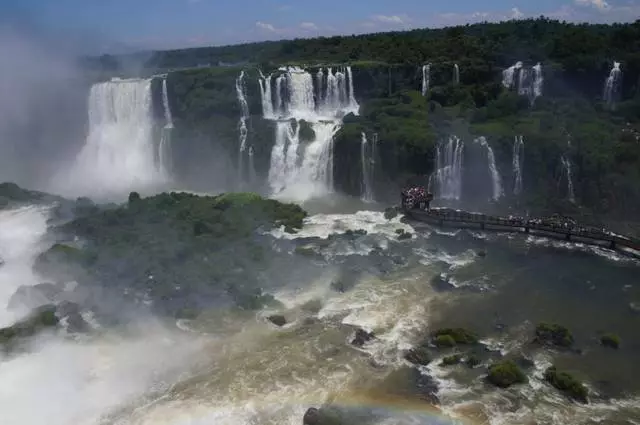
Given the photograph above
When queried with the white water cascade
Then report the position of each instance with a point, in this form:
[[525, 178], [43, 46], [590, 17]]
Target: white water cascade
[[527, 81], [120, 154], [448, 174], [242, 125], [509, 75], [456, 74], [496, 181], [165, 139], [567, 172], [426, 78], [518, 159], [367, 161], [300, 170], [612, 84]]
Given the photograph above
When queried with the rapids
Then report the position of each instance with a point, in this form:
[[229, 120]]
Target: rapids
[[235, 367]]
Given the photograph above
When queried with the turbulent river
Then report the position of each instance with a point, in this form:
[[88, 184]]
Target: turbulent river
[[237, 368]]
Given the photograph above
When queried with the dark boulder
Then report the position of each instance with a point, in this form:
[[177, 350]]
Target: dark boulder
[[567, 384], [277, 319], [551, 334], [505, 374], [361, 337], [418, 356]]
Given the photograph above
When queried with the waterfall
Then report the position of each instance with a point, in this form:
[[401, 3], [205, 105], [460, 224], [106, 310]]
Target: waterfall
[[527, 82], [242, 124], [496, 181], [518, 159], [165, 139], [538, 80], [509, 75], [300, 170], [120, 154], [566, 166], [367, 160], [426, 78], [165, 104], [267, 101], [448, 174], [456, 74], [612, 84], [252, 167]]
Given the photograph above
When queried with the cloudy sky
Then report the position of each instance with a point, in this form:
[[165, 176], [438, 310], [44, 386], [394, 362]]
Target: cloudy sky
[[184, 23]]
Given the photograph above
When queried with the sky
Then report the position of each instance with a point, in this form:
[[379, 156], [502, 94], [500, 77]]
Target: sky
[[164, 24]]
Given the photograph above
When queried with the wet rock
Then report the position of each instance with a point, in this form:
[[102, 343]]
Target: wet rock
[[305, 251], [42, 318], [418, 356], [444, 337], [31, 297], [481, 253], [505, 374], [567, 384], [361, 337], [355, 233], [451, 360], [551, 334], [277, 319], [326, 416], [523, 361], [610, 341], [311, 417], [390, 213], [338, 286], [441, 283], [472, 361], [402, 235]]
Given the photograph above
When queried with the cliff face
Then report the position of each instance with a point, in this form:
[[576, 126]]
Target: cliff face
[[569, 122]]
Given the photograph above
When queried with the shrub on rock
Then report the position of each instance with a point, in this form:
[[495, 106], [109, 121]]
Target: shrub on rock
[[554, 335], [418, 356], [566, 383], [610, 341], [505, 374]]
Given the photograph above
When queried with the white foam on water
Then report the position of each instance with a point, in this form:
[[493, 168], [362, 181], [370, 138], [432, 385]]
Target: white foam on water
[[21, 241]]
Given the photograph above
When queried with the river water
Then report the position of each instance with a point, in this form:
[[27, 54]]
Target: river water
[[235, 367]]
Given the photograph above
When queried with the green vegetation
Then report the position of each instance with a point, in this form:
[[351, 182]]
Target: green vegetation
[[444, 341], [39, 320], [553, 334], [505, 374], [576, 59], [458, 335], [610, 341], [451, 360], [11, 193], [566, 383], [177, 248]]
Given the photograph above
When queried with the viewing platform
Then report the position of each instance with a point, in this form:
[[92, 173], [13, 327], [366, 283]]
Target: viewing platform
[[546, 227]]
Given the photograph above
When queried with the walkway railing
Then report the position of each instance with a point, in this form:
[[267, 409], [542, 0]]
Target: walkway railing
[[559, 227]]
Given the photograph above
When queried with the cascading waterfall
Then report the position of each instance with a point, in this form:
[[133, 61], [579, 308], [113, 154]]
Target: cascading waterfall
[[448, 174], [538, 80], [527, 82], [518, 152], [165, 140], [300, 170], [612, 84], [509, 75], [267, 100], [242, 124], [426, 78], [367, 160], [456, 74], [566, 166], [119, 154], [496, 181]]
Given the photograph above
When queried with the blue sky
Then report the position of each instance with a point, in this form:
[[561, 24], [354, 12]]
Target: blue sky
[[184, 23]]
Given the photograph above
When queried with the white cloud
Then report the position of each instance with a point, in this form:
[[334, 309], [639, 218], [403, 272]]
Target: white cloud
[[479, 15], [389, 19], [310, 26], [516, 13], [265, 26], [598, 4]]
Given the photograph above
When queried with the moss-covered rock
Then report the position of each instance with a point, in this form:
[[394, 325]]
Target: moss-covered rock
[[451, 360], [610, 341], [473, 360], [553, 335], [418, 356], [505, 374], [566, 383], [444, 341], [390, 213], [40, 319], [458, 335]]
